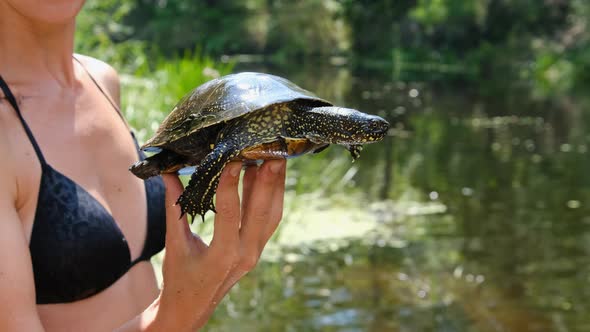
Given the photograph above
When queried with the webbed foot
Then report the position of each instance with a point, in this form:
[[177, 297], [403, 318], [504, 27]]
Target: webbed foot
[[197, 197]]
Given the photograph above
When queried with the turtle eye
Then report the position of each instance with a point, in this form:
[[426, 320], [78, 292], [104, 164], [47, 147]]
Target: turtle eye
[[377, 126]]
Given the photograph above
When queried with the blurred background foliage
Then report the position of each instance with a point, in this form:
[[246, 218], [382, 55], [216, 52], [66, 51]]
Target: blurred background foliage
[[471, 215], [495, 39]]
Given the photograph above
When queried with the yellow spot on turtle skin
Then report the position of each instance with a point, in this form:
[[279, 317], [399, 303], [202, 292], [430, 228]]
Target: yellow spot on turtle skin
[[211, 146]]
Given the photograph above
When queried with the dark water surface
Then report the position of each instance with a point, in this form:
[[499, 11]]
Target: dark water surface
[[473, 215]]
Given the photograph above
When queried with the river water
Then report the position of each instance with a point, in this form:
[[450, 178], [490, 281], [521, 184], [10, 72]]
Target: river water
[[472, 215]]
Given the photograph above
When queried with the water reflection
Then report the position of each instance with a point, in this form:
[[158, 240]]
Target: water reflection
[[473, 215]]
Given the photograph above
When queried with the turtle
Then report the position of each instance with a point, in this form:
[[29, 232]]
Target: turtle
[[248, 116]]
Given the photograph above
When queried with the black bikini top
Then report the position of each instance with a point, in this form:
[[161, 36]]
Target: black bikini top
[[77, 248]]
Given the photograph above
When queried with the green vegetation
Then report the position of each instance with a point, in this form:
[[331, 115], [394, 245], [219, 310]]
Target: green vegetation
[[152, 83], [543, 42]]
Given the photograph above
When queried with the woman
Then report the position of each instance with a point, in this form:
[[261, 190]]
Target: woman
[[74, 240]]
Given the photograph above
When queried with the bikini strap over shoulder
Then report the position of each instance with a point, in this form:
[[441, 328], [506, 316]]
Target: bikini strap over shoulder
[[12, 100], [111, 102], [106, 95]]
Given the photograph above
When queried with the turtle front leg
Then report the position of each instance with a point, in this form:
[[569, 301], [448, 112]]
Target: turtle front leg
[[197, 197]]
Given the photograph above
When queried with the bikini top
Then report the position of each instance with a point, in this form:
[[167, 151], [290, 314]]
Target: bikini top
[[76, 247]]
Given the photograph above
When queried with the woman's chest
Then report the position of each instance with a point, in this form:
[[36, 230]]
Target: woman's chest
[[84, 139]]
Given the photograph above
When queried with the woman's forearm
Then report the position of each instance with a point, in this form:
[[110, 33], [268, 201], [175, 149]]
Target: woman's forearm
[[181, 319], [144, 322]]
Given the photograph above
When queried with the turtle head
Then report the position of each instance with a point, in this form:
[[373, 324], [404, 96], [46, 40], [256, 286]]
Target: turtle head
[[372, 128], [348, 126]]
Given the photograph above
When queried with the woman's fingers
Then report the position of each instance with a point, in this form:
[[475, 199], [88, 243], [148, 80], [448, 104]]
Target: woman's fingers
[[276, 212], [258, 214], [247, 184], [227, 219], [176, 230]]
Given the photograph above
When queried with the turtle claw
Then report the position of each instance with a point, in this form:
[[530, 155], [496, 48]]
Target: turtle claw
[[193, 207], [197, 199], [355, 151]]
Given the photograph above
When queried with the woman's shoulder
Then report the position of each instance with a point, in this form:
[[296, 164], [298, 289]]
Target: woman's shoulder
[[103, 73]]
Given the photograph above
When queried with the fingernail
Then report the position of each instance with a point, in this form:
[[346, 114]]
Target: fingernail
[[275, 166], [234, 169]]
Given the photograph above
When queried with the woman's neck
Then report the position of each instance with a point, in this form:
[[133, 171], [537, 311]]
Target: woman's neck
[[35, 52]]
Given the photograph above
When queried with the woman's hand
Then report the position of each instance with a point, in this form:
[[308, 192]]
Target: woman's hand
[[197, 276]]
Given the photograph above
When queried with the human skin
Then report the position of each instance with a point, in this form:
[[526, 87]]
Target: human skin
[[82, 137]]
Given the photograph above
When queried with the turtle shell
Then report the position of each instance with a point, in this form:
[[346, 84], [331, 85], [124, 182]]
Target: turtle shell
[[226, 98]]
